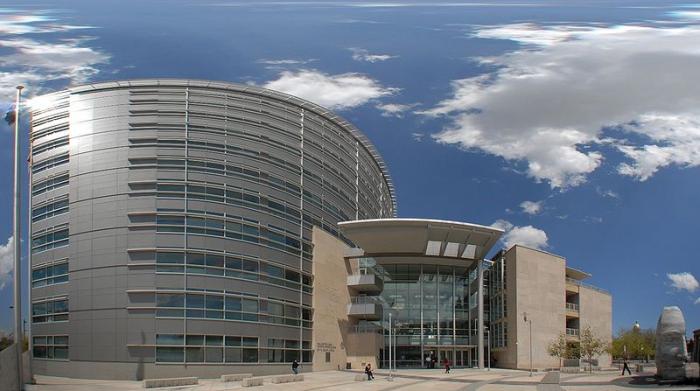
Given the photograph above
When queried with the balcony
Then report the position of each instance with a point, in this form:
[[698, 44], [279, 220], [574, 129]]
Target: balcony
[[365, 307], [572, 310], [365, 283], [571, 333], [573, 285]]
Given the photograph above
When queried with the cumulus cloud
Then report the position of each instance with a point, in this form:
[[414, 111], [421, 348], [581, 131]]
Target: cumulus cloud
[[342, 91], [394, 109], [527, 236], [32, 60], [553, 101], [363, 55], [531, 207], [6, 262], [683, 281]]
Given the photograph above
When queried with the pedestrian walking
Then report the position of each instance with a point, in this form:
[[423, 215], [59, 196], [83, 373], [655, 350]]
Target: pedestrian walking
[[368, 371], [295, 367], [625, 367], [447, 366]]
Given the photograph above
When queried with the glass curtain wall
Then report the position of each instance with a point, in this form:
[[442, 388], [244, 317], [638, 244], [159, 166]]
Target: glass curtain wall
[[433, 314]]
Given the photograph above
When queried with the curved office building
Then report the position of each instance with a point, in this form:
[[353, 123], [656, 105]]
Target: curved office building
[[173, 223]]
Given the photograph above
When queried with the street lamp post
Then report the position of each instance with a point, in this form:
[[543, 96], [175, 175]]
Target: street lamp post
[[16, 246], [529, 321], [488, 346]]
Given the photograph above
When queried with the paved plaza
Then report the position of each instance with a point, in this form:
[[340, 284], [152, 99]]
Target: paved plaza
[[405, 380]]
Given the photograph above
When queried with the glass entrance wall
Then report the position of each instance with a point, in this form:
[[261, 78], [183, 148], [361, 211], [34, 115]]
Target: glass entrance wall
[[432, 314]]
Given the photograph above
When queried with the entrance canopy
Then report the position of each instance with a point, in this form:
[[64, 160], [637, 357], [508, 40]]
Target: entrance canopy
[[421, 237]]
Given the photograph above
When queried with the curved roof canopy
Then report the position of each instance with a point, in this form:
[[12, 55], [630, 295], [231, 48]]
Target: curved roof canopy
[[421, 237]]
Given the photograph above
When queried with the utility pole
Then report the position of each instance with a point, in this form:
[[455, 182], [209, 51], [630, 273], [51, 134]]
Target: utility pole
[[16, 240]]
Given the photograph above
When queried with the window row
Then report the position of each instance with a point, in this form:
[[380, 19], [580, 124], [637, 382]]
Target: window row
[[55, 310], [209, 167], [232, 230], [49, 184], [178, 348], [229, 307], [49, 210], [49, 275], [53, 347], [231, 196], [53, 238], [221, 148], [50, 163], [49, 145], [220, 265]]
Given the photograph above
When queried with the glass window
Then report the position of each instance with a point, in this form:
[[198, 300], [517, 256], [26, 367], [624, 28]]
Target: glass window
[[249, 305], [215, 302], [169, 339], [250, 355], [176, 300], [233, 303], [196, 340], [167, 257], [233, 354], [194, 354], [195, 301]]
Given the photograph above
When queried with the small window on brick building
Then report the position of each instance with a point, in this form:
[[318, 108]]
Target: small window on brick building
[[328, 356]]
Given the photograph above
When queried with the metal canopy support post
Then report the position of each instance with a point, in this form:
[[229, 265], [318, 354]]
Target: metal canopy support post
[[480, 314], [390, 350]]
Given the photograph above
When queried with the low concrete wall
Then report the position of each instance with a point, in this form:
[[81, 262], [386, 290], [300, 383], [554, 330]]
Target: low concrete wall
[[252, 382], [287, 379], [172, 382], [235, 377], [8, 369]]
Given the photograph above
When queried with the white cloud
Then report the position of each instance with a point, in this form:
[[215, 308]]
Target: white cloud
[[697, 301], [683, 281], [418, 137], [606, 193], [6, 262], [363, 55], [32, 62], [551, 102], [394, 109], [527, 236], [531, 207], [342, 91]]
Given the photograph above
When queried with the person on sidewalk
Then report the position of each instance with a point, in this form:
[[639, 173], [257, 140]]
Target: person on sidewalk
[[447, 366], [368, 371], [295, 367], [625, 367]]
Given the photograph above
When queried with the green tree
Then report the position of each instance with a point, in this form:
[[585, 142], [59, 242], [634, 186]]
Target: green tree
[[558, 348], [638, 345], [591, 346]]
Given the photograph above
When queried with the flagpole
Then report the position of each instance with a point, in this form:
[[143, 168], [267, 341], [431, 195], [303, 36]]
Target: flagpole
[[16, 242]]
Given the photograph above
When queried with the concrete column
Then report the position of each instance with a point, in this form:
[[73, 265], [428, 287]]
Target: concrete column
[[480, 314]]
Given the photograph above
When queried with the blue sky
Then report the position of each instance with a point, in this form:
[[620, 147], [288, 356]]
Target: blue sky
[[575, 125]]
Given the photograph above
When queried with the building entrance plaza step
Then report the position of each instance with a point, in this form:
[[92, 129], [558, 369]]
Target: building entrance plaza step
[[402, 380]]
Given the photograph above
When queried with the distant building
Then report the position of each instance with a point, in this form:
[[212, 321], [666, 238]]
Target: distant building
[[555, 300]]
